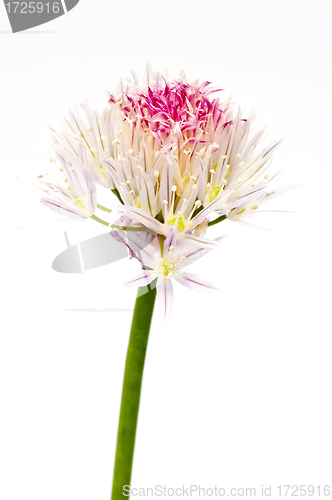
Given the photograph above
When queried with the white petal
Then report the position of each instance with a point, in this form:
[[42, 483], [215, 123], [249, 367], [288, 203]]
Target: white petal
[[166, 188]]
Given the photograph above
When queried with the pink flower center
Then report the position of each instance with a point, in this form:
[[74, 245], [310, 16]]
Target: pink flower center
[[173, 108]]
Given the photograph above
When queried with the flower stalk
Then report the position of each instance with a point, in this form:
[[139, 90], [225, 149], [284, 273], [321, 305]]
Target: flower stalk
[[131, 391]]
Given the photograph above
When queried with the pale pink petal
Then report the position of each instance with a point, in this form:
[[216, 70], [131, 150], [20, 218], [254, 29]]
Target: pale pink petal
[[147, 197], [200, 241], [171, 238], [193, 253], [209, 209], [142, 278], [165, 296], [63, 209], [141, 245], [141, 216], [195, 282]]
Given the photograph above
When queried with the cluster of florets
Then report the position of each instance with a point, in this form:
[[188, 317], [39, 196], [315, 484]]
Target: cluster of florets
[[179, 159]]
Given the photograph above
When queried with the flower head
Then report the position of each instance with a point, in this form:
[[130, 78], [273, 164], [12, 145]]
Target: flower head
[[179, 157]]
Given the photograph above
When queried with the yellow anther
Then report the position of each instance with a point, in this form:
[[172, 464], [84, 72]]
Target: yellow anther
[[130, 151], [61, 169], [174, 188], [254, 207], [224, 157], [156, 173], [241, 164], [105, 151], [39, 176], [266, 176], [239, 181], [238, 156], [194, 187], [116, 141], [268, 191], [167, 267], [72, 169], [165, 202], [55, 190], [75, 137], [183, 257], [89, 128]]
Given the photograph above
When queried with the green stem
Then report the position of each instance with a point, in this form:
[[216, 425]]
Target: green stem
[[131, 391], [101, 207], [219, 219], [130, 228], [101, 221], [124, 228]]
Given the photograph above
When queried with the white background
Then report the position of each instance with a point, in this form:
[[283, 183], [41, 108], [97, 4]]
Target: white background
[[237, 388]]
